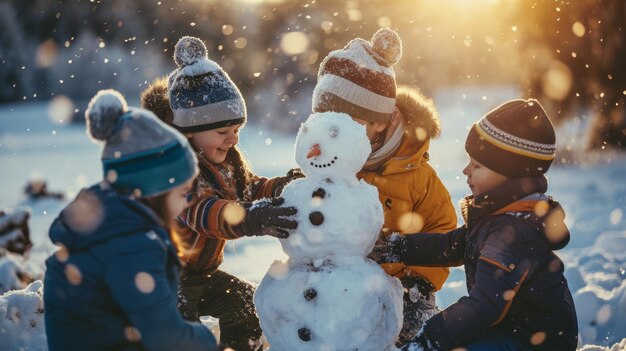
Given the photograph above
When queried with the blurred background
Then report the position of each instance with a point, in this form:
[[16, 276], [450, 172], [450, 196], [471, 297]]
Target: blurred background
[[570, 55], [468, 55]]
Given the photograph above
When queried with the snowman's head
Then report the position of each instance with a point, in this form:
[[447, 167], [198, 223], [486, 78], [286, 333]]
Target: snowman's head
[[331, 145]]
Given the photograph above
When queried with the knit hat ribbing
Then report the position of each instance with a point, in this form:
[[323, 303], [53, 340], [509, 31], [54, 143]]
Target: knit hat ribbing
[[201, 94], [141, 154], [516, 139], [359, 80]]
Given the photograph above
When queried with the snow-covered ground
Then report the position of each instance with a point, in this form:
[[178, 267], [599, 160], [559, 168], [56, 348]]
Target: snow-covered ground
[[593, 194]]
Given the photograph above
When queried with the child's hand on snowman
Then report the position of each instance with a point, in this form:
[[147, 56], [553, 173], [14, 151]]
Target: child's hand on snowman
[[267, 217], [421, 343], [292, 174], [388, 249]]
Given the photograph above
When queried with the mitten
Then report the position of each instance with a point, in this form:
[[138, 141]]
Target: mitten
[[388, 249], [421, 343], [280, 182], [266, 217]]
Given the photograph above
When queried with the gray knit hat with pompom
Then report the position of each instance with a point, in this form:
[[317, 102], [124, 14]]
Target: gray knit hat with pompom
[[359, 80], [141, 154], [201, 94]]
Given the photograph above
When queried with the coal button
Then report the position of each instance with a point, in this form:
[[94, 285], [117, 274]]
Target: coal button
[[316, 218]]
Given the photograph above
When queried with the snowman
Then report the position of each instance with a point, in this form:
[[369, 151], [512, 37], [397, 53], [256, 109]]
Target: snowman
[[328, 295]]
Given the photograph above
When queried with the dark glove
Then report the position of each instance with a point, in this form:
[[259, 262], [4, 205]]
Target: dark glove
[[280, 182], [388, 249], [266, 217], [421, 343]]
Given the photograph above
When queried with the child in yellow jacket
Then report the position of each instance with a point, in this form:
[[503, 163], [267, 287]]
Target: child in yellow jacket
[[359, 80]]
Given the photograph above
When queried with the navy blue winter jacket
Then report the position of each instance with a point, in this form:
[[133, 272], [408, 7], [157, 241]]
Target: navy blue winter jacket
[[515, 281], [113, 285]]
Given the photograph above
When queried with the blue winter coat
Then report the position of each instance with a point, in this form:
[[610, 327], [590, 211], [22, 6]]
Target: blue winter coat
[[515, 281], [115, 286]]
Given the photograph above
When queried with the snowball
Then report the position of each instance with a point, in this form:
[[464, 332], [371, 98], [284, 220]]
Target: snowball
[[349, 304], [352, 219], [331, 145]]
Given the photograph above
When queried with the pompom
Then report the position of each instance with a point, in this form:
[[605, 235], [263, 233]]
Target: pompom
[[388, 45], [103, 113], [156, 99], [188, 51]]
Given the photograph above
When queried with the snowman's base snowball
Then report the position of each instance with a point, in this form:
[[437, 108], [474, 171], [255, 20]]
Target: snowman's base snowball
[[348, 305]]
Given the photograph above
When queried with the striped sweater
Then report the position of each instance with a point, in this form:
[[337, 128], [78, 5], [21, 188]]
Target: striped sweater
[[202, 231]]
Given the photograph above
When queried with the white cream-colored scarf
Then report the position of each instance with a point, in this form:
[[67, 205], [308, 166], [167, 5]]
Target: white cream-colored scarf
[[390, 143]]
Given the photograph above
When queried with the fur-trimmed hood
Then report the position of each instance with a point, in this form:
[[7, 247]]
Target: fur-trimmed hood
[[155, 98], [419, 113]]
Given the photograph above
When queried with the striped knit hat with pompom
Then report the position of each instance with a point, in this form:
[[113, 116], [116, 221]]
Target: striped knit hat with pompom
[[516, 139], [359, 80], [142, 155], [201, 94]]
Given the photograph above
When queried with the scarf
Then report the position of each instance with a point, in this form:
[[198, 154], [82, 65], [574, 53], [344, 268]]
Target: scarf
[[476, 208], [390, 140]]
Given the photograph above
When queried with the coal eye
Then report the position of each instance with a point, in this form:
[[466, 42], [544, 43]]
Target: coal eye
[[333, 131]]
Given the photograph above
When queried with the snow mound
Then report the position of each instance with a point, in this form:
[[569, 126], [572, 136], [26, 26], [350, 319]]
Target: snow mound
[[621, 346], [13, 272], [598, 282], [21, 319]]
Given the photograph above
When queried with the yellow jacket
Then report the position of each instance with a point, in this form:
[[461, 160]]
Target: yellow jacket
[[413, 197]]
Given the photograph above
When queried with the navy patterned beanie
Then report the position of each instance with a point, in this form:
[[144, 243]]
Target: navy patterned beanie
[[201, 94], [142, 156], [516, 139]]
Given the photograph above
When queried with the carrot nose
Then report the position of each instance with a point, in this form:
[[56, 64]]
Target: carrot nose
[[314, 151]]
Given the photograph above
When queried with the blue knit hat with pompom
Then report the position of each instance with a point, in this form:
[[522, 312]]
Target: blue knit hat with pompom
[[201, 94], [142, 155]]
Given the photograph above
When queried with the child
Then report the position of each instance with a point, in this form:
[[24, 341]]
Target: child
[[359, 80], [113, 283], [518, 297], [200, 100]]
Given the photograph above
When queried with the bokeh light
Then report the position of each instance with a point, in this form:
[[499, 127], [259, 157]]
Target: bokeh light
[[73, 274], [557, 81], [616, 216], [541, 208], [278, 270], [132, 334], [538, 338], [314, 236], [62, 254], [47, 53], [604, 314], [555, 227], [508, 295], [60, 109], [412, 221], [234, 213], [84, 214], [294, 43], [144, 282], [578, 29]]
